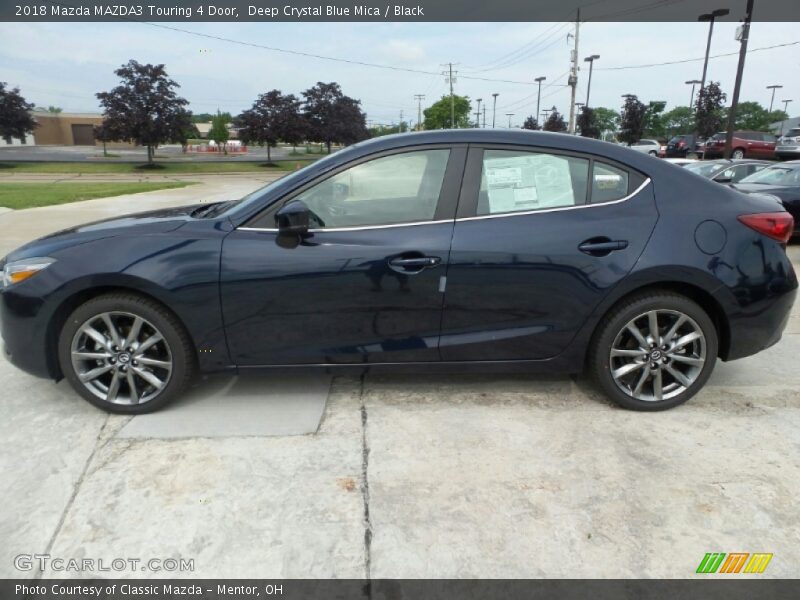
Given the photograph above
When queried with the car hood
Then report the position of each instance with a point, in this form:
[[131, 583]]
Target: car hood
[[773, 190], [144, 223]]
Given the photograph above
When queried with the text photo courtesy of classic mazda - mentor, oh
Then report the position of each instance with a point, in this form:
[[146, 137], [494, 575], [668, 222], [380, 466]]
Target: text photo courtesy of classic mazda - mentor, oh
[[467, 250]]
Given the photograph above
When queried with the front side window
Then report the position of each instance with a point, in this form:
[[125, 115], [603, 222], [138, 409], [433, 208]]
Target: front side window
[[401, 188], [513, 181]]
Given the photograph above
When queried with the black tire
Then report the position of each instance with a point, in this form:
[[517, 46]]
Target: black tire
[[613, 329], [176, 343]]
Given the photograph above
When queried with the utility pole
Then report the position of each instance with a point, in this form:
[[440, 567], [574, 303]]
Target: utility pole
[[484, 116], [450, 78], [419, 98], [748, 17], [494, 108], [573, 78], [773, 88], [539, 80], [400, 126], [478, 114]]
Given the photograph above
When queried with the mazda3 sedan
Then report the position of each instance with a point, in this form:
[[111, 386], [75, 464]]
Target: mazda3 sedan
[[474, 250]]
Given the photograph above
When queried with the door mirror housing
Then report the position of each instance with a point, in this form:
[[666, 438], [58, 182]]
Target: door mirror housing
[[293, 218]]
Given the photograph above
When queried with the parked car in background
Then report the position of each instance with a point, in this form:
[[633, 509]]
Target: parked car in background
[[681, 162], [746, 144], [651, 147], [680, 145], [468, 250], [788, 146], [782, 181], [727, 170]]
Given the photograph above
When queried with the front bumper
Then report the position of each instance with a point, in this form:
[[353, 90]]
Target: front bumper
[[24, 334]]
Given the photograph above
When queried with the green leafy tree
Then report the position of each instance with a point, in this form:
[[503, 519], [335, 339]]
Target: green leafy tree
[[437, 116], [679, 120], [754, 117], [207, 117], [654, 125], [333, 117], [632, 120], [531, 123], [555, 122], [144, 108], [709, 113], [273, 117], [54, 109], [587, 123], [607, 120], [219, 130], [15, 118]]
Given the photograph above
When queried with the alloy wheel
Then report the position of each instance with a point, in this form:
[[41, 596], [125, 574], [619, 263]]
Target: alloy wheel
[[121, 358], [657, 355]]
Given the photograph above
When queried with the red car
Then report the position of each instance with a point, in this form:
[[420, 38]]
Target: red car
[[746, 144]]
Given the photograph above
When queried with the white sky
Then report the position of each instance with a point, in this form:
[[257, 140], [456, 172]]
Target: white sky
[[64, 64]]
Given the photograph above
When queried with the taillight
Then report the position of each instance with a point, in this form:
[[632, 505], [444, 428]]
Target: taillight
[[775, 225], [681, 144]]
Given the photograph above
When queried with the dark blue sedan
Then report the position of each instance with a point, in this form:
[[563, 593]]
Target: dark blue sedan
[[472, 249]]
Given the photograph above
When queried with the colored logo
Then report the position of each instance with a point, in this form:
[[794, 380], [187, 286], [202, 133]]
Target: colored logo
[[735, 562]]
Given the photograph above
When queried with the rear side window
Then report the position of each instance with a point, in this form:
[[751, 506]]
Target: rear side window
[[515, 181], [609, 183]]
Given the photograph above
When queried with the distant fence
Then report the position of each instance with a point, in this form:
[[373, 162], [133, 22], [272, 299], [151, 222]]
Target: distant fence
[[230, 148]]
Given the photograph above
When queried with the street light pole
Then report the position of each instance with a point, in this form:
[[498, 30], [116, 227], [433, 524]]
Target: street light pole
[[590, 60], [494, 108], [710, 17], [478, 113], [693, 83], [539, 80], [509, 115], [772, 100], [786, 111]]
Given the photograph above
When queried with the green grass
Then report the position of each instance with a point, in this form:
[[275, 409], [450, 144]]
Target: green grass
[[28, 195], [91, 168]]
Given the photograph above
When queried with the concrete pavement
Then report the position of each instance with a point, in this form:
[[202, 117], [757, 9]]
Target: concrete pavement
[[410, 476]]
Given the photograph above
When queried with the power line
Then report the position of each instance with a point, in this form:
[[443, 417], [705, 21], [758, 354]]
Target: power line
[[688, 60]]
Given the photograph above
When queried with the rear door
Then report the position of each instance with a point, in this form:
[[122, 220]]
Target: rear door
[[539, 240]]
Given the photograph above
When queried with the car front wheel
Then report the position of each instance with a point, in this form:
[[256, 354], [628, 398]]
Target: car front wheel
[[125, 353], [738, 153], [654, 351]]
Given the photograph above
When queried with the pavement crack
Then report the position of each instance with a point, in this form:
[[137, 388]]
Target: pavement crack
[[38, 574], [365, 488]]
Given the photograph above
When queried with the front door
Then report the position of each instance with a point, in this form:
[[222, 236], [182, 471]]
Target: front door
[[364, 285], [539, 240]]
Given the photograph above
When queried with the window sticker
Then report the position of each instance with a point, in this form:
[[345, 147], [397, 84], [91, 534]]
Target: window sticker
[[527, 182]]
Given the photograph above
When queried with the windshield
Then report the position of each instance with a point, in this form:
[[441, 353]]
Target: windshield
[[706, 169], [793, 132], [778, 175]]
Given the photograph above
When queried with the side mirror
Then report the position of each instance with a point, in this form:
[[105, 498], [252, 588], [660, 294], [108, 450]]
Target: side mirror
[[723, 179], [293, 218]]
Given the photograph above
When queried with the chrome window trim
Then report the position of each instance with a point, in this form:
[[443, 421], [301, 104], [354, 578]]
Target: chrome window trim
[[644, 184]]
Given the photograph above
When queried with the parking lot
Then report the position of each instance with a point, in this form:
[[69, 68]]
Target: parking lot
[[406, 476]]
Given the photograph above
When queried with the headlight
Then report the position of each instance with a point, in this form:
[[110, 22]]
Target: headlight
[[20, 270]]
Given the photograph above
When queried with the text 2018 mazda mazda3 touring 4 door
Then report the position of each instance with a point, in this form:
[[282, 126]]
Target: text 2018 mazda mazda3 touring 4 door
[[470, 249]]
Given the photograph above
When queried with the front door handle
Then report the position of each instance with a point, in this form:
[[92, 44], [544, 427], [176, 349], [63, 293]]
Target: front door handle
[[414, 264], [602, 246]]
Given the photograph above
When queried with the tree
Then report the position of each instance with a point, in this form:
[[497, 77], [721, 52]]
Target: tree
[[207, 117], [654, 126], [185, 130], [272, 118], [555, 122], [632, 120], [15, 118], [709, 115], [678, 121], [754, 117], [607, 120], [333, 117], [587, 123], [54, 109], [437, 115], [531, 123], [144, 108], [219, 130]]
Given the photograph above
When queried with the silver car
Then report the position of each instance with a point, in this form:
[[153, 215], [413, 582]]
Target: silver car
[[651, 147], [788, 147]]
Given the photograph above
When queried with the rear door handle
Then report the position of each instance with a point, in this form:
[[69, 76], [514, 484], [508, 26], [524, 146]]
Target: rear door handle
[[602, 246]]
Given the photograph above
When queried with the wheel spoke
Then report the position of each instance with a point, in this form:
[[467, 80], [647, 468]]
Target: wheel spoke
[[686, 339], [132, 388], [638, 353], [684, 381], [152, 362], [640, 384], [112, 329], [95, 373], [136, 327], [658, 385], [80, 355], [149, 378], [689, 360], [113, 389], [652, 324], [148, 343], [637, 334], [96, 336], [626, 369], [675, 326]]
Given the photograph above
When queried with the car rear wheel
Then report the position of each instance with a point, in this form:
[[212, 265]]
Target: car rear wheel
[[653, 153], [738, 153], [654, 351], [125, 353]]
